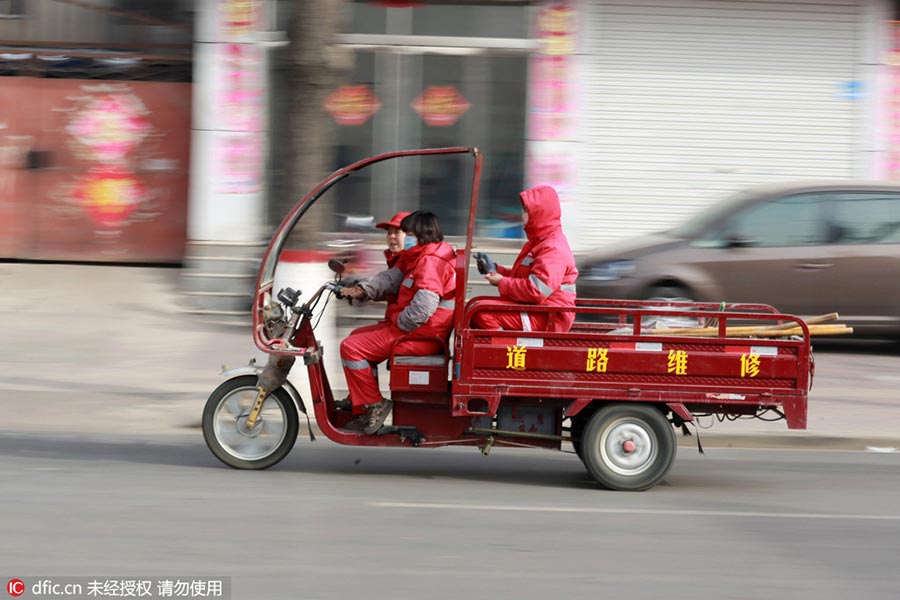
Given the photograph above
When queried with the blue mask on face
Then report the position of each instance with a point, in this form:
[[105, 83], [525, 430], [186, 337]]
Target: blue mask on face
[[409, 241]]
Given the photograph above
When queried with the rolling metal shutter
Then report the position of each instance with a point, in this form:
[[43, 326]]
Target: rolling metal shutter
[[687, 101]]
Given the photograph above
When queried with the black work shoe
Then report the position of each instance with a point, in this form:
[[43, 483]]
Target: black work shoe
[[343, 404], [357, 423], [376, 415]]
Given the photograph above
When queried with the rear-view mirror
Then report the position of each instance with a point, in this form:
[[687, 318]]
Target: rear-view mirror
[[337, 266]]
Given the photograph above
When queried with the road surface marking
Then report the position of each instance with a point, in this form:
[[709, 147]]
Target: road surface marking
[[639, 511]]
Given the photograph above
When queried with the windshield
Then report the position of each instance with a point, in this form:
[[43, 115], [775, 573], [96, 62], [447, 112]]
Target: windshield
[[353, 218], [341, 218], [700, 221]]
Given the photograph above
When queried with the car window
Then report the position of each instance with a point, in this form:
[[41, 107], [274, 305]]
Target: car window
[[700, 221], [789, 221], [865, 218]]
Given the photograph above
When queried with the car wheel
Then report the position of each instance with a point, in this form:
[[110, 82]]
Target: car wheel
[[670, 293]]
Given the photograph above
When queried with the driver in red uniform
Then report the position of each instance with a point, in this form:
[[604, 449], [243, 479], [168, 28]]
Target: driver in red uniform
[[424, 308], [395, 252]]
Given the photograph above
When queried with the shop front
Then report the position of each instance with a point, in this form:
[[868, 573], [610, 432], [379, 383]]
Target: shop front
[[93, 169], [435, 75], [95, 119], [686, 102]]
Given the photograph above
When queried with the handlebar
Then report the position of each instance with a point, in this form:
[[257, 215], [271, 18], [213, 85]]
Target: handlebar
[[282, 317]]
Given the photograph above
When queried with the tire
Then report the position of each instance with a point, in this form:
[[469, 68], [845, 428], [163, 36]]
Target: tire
[[272, 438], [609, 460], [576, 445], [576, 431], [669, 293]]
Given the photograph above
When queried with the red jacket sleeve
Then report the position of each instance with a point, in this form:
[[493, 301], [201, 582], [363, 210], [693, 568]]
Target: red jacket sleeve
[[547, 272]]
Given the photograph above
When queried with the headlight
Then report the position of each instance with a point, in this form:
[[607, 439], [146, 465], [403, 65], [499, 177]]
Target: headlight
[[609, 271]]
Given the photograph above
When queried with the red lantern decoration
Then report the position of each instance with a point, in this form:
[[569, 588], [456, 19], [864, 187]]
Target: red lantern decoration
[[352, 104], [440, 105]]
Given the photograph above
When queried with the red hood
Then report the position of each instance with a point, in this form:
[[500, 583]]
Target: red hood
[[542, 205]]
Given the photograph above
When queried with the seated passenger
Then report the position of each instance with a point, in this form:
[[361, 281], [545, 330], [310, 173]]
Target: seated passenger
[[544, 272], [424, 308]]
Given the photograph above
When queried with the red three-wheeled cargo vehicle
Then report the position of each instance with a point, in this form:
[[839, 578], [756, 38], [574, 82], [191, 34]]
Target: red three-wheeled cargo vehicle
[[616, 386]]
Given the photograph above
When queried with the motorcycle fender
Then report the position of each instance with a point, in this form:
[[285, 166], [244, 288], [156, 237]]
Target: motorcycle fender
[[254, 369], [245, 370]]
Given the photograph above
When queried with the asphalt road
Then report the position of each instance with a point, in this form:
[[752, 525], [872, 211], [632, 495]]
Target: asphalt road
[[341, 522], [102, 477]]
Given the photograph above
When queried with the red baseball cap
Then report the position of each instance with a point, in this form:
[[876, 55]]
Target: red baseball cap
[[394, 222]]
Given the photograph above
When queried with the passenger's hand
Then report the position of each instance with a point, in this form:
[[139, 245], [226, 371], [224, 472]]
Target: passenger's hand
[[355, 292], [494, 278]]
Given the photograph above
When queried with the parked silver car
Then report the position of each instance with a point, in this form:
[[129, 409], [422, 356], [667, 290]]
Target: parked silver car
[[806, 248]]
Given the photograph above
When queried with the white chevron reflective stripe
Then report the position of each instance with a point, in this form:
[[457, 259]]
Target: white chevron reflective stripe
[[542, 287], [526, 321], [356, 365]]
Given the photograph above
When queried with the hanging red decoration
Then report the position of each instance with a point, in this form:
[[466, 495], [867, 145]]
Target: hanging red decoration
[[352, 104], [110, 195], [440, 105]]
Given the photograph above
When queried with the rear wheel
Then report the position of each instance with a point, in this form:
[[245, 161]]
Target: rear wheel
[[628, 447], [226, 434], [576, 431]]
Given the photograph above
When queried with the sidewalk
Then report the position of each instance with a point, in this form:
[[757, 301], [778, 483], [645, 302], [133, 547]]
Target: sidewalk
[[92, 349]]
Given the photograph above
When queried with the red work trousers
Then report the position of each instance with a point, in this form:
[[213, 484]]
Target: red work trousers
[[361, 351], [513, 320]]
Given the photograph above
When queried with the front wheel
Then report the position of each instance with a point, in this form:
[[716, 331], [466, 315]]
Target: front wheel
[[628, 447], [226, 434]]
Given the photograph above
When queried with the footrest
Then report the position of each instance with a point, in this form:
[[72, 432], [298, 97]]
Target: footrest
[[409, 433]]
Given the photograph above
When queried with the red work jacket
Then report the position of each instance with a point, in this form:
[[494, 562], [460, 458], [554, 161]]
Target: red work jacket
[[544, 272], [393, 259], [433, 270]]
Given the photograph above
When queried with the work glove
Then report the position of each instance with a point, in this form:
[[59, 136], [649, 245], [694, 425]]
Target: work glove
[[483, 263]]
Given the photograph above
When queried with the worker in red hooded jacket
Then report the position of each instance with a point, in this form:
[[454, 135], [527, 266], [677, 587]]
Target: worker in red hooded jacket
[[544, 272], [424, 309]]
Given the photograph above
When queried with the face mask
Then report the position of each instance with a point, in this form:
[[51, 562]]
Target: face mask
[[409, 241]]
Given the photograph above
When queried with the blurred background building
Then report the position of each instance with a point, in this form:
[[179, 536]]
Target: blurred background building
[[153, 130], [95, 117]]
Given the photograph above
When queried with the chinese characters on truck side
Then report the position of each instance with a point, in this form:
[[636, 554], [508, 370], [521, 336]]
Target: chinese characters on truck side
[[597, 361]]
